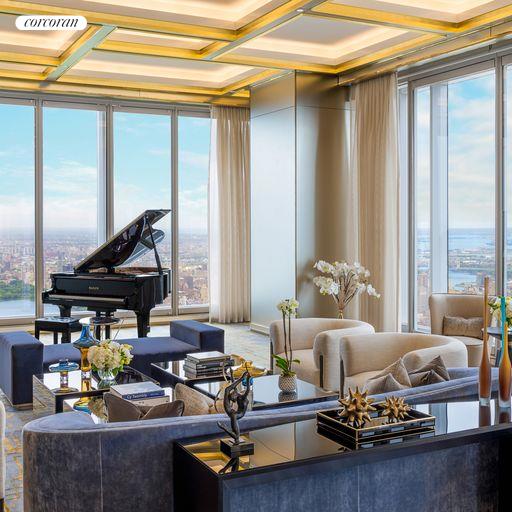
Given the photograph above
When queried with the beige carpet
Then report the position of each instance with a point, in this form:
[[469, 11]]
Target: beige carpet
[[238, 340]]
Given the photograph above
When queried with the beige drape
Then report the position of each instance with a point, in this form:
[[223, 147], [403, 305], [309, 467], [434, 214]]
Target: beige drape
[[229, 220], [372, 186]]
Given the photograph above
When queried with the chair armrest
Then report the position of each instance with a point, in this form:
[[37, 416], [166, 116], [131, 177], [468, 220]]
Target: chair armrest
[[326, 353], [21, 357], [2, 453], [203, 336], [454, 355]]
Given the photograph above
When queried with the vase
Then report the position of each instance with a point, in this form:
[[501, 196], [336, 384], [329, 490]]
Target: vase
[[340, 314], [484, 374], [287, 383], [107, 379], [505, 367]]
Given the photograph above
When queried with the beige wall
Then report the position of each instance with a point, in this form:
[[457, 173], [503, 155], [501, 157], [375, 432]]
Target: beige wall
[[298, 156]]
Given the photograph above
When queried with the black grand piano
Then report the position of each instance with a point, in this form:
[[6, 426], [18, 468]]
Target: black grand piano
[[102, 285]]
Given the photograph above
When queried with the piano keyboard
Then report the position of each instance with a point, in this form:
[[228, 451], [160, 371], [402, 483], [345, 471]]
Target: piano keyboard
[[87, 297]]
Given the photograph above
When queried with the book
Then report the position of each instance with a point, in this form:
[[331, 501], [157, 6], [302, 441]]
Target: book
[[151, 402], [212, 364], [137, 390], [204, 357], [189, 372]]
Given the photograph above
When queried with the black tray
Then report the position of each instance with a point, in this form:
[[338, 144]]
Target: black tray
[[378, 429]]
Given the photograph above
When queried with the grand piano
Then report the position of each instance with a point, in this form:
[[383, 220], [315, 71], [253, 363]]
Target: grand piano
[[101, 284]]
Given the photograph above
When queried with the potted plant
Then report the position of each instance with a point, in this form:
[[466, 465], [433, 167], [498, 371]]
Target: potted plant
[[343, 282], [108, 359], [287, 379]]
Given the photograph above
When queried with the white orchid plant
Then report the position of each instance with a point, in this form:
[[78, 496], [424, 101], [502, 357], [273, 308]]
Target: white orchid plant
[[343, 282], [288, 308], [109, 356]]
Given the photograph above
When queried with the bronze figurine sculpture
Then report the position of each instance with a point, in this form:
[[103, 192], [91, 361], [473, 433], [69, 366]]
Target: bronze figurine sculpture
[[236, 403]]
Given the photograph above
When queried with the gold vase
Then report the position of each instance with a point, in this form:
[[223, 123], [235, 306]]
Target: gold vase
[[85, 366]]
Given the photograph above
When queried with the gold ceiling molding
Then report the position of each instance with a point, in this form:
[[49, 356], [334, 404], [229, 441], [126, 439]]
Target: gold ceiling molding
[[121, 21], [378, 17], [488, 35], [26, 58], [79, 49], [116, 93]]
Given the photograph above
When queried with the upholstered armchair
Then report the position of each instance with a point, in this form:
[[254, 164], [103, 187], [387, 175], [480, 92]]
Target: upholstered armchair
[[457, 305], [316, 343], [2, 456], [364, 356]]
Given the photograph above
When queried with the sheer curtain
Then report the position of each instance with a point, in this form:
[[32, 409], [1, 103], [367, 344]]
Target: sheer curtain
[[229, 215], [373, 188]]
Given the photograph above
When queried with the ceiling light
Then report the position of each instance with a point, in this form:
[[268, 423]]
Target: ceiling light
[[300, 10]]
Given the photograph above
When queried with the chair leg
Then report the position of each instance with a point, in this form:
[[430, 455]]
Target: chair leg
[[321, 371], [37, 333], [66, 336], [55, 338]]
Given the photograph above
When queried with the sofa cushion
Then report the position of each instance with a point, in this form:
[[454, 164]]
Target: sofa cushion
[[430, 373], [196, 403], [458, 326], [398, 371], [383, 384]]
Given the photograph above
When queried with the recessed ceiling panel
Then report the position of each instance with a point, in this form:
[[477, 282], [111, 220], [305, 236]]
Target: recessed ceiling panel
[[323, 41], [34, 42], [215, 13], [22, 67], [167, 71], [154, 38], [446, 10]]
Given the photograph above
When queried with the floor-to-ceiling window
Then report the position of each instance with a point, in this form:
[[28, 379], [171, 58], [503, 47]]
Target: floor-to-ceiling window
[[193, 144], [17, 199], [73, 183], [454, 171], [74, 172]]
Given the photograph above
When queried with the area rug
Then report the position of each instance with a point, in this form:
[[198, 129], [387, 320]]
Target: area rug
[[15, 420]]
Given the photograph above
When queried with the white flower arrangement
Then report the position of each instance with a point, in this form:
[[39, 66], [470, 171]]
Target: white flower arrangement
[[343, 282], [109, 356], [495, 305]]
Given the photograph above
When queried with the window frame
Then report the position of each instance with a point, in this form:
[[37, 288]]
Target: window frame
[[431, 75], [39, 101]]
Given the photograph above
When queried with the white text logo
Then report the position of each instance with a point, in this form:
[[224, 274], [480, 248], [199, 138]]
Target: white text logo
[[39, 22]]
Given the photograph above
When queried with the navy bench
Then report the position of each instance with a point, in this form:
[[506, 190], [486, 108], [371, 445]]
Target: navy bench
[[22, 355]]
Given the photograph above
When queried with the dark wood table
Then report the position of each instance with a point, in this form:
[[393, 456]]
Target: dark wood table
[[464, 466]]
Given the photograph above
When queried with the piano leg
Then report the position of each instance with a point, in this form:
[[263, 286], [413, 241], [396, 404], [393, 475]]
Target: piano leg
[[142, 324], [65, 311]]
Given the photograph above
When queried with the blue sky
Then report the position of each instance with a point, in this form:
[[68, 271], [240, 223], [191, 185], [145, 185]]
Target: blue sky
[[142, 163]]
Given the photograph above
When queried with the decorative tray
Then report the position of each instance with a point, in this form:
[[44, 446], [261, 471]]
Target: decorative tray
[[378, 430]]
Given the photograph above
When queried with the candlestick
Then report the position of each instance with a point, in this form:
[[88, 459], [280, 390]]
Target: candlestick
[[484, 376]]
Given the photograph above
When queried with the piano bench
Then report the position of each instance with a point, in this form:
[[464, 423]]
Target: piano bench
[[57, 324]]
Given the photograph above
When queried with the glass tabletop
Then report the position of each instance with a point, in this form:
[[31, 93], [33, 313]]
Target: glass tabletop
[[266, 392], [301, 440]]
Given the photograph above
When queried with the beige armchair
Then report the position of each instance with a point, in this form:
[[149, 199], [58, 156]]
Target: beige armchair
[[455, 304], [316, 343], [363, 357]]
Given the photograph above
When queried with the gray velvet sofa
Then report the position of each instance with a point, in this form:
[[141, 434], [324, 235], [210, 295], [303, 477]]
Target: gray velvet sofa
[[22, 355], [70, 463]]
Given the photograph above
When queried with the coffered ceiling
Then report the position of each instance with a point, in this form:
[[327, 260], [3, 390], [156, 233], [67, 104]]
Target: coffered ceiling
[[212, 51]]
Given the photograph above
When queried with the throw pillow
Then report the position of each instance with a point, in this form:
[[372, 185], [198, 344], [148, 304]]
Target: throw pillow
[[383, 384], [196, 403], [120, 409], [419, 376], [398, 371], [458, 326]]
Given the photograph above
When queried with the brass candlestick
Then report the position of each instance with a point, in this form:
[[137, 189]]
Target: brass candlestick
[[484, 376]]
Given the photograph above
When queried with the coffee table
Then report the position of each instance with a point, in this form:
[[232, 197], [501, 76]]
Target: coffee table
[[47, 395], [267, 395]]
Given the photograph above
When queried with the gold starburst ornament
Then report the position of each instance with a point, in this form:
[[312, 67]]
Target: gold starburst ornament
[[395, 409], [356, 407]]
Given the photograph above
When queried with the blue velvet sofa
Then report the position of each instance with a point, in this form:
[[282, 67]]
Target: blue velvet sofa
[[70, 463], [22, 355]]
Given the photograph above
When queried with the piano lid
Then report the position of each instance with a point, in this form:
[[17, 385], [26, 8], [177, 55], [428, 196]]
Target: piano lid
[[132, 242]]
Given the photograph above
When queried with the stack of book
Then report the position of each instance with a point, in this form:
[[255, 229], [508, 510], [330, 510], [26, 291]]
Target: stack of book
[[146, 394], [205, 365]]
